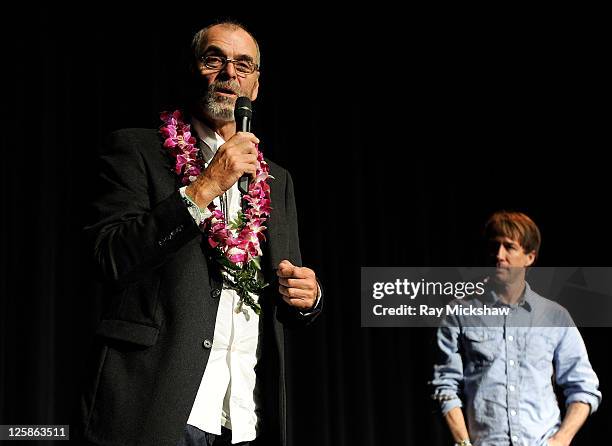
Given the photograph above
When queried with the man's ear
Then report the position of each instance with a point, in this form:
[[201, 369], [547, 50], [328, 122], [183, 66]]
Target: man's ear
[[531, 258], [255, 89], [194, 68]]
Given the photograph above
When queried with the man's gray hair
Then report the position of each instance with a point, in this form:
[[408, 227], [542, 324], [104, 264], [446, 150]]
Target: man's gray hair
[[200, 37]]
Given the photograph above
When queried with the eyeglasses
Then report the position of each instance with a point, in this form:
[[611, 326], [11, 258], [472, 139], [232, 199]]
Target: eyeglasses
[[219, 62]]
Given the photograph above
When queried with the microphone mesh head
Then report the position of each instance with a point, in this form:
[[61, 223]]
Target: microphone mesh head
[[243, 108]]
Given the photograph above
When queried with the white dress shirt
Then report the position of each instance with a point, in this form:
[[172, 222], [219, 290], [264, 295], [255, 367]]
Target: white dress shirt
[[227, 393]]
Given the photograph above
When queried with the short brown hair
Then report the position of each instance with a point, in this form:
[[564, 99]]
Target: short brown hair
[[516, 226]]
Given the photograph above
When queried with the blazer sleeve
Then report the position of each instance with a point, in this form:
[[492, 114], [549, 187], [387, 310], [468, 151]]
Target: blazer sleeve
[[291, 316], [131, 232]]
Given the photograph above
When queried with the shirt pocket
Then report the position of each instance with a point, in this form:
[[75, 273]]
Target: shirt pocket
[[482, 345], [540, 350]]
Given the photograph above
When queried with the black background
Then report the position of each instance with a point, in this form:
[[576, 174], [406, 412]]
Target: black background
[[403, 131]]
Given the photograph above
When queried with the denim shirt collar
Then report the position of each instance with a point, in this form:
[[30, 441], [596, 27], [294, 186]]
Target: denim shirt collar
[[526, 301]]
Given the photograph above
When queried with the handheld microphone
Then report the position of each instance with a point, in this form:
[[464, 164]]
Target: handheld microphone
[[243, 113]]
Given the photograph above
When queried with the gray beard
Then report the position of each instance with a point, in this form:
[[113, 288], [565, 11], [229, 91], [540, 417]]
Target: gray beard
[[218, 108]]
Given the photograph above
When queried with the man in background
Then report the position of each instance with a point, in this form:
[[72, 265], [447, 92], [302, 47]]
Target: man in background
[[502, 371]]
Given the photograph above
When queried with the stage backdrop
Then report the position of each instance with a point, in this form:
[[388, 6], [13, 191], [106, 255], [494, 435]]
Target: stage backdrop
[[402, 132]]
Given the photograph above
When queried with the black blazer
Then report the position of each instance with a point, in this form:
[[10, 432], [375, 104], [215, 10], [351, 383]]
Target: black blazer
[[162, 292]]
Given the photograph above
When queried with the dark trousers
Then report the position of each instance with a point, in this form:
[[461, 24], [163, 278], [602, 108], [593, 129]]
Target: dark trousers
[[192, 436]]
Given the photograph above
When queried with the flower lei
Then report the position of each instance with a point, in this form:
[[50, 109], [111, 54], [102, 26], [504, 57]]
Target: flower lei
[[237, 245]]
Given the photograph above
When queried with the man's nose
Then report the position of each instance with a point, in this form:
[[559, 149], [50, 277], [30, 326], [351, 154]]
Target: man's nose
[[230, 69], [501, 252]]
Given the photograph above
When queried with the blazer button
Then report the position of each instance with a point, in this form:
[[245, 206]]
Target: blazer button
[[216, 292], [207, 343]]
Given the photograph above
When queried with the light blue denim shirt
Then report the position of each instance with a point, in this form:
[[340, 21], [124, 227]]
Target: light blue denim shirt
[[503, 369]]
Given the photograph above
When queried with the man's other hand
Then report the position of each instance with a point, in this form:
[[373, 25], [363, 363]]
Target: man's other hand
[[297, 285]]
